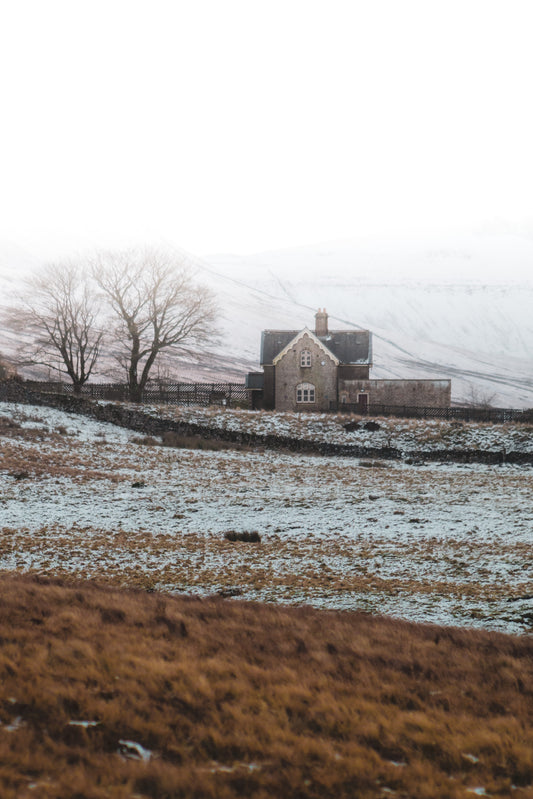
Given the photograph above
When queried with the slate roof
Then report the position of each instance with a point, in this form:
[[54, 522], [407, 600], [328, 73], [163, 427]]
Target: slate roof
[[348, 346]]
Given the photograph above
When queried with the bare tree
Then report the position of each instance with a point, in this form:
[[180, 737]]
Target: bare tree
[[477, 397], [156, 305], [60, 315]]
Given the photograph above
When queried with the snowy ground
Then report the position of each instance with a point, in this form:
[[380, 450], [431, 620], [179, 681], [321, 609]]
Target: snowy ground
[[444, 543], [406, 435]]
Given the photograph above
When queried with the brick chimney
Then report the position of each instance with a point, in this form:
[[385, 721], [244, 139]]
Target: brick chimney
[[321, 322]]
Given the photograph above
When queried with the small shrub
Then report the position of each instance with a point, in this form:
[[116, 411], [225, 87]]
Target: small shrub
[[372, 426], [229, 593], [250, 538], [351, 426], [21, 475]]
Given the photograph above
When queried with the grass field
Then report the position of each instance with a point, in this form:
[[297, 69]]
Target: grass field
[[446, 543], [124, 673], [113, 693]]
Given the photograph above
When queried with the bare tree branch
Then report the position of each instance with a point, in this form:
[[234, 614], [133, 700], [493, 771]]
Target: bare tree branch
[[479, 398], [61, 314], [156, 305]]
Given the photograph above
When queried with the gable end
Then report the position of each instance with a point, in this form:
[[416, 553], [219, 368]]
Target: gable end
[[298, 338]]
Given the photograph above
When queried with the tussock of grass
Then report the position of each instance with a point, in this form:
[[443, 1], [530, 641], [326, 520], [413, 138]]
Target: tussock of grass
[[179, 441], [244, 700], [171, 439]]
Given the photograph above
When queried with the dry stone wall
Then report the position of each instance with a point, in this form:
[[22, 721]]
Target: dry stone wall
[[135, 419]]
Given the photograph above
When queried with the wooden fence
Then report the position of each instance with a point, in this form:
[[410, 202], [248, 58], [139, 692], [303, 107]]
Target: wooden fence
[[466, 414], [234, 395], [228, 394]]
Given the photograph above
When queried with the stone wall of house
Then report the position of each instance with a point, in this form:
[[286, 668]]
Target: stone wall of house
[[419, 393], [268, 395], [354, 371], [322, 374]]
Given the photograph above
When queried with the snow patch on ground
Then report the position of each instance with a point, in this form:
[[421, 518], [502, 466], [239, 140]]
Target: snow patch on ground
[[406, 435], [447, 543]]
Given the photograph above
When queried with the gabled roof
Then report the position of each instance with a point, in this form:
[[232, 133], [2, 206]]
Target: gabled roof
[[347, 346], [300, 335]]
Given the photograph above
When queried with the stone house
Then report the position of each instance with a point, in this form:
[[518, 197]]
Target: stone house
[[323, 369]]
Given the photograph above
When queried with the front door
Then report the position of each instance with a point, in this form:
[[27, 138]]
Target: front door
[[362, 401]]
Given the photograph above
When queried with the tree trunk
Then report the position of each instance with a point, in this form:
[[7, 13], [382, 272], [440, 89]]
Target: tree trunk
[[135, 393]]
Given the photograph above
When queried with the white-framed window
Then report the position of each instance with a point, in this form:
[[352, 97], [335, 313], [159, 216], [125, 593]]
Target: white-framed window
[[305, 392], [305, 358]]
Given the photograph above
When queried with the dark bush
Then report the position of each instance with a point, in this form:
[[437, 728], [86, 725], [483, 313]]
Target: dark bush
[[372, 426], [252, 538], [21, 475], [351, 426]]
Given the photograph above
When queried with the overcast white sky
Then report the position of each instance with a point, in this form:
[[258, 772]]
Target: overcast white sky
[[245, 125]]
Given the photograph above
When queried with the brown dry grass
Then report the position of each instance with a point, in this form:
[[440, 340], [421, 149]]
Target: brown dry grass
[[245, 700], [178, 441]]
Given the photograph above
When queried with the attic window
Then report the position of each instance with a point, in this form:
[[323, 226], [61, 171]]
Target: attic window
[[305, 358], [305, 392]]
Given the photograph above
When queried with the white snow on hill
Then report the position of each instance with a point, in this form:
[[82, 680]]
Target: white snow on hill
[[457, 306]]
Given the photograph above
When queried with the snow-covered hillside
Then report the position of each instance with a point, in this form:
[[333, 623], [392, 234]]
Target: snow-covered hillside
[[456, 306], [460, 307]]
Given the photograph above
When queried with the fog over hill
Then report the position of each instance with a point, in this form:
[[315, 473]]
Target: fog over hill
[[456, 306]]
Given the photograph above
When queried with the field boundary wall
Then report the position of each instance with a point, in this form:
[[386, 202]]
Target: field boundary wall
[[145, 423]]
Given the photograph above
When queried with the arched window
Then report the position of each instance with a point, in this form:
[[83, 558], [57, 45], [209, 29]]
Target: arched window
[[305, 392], [305, 358]]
